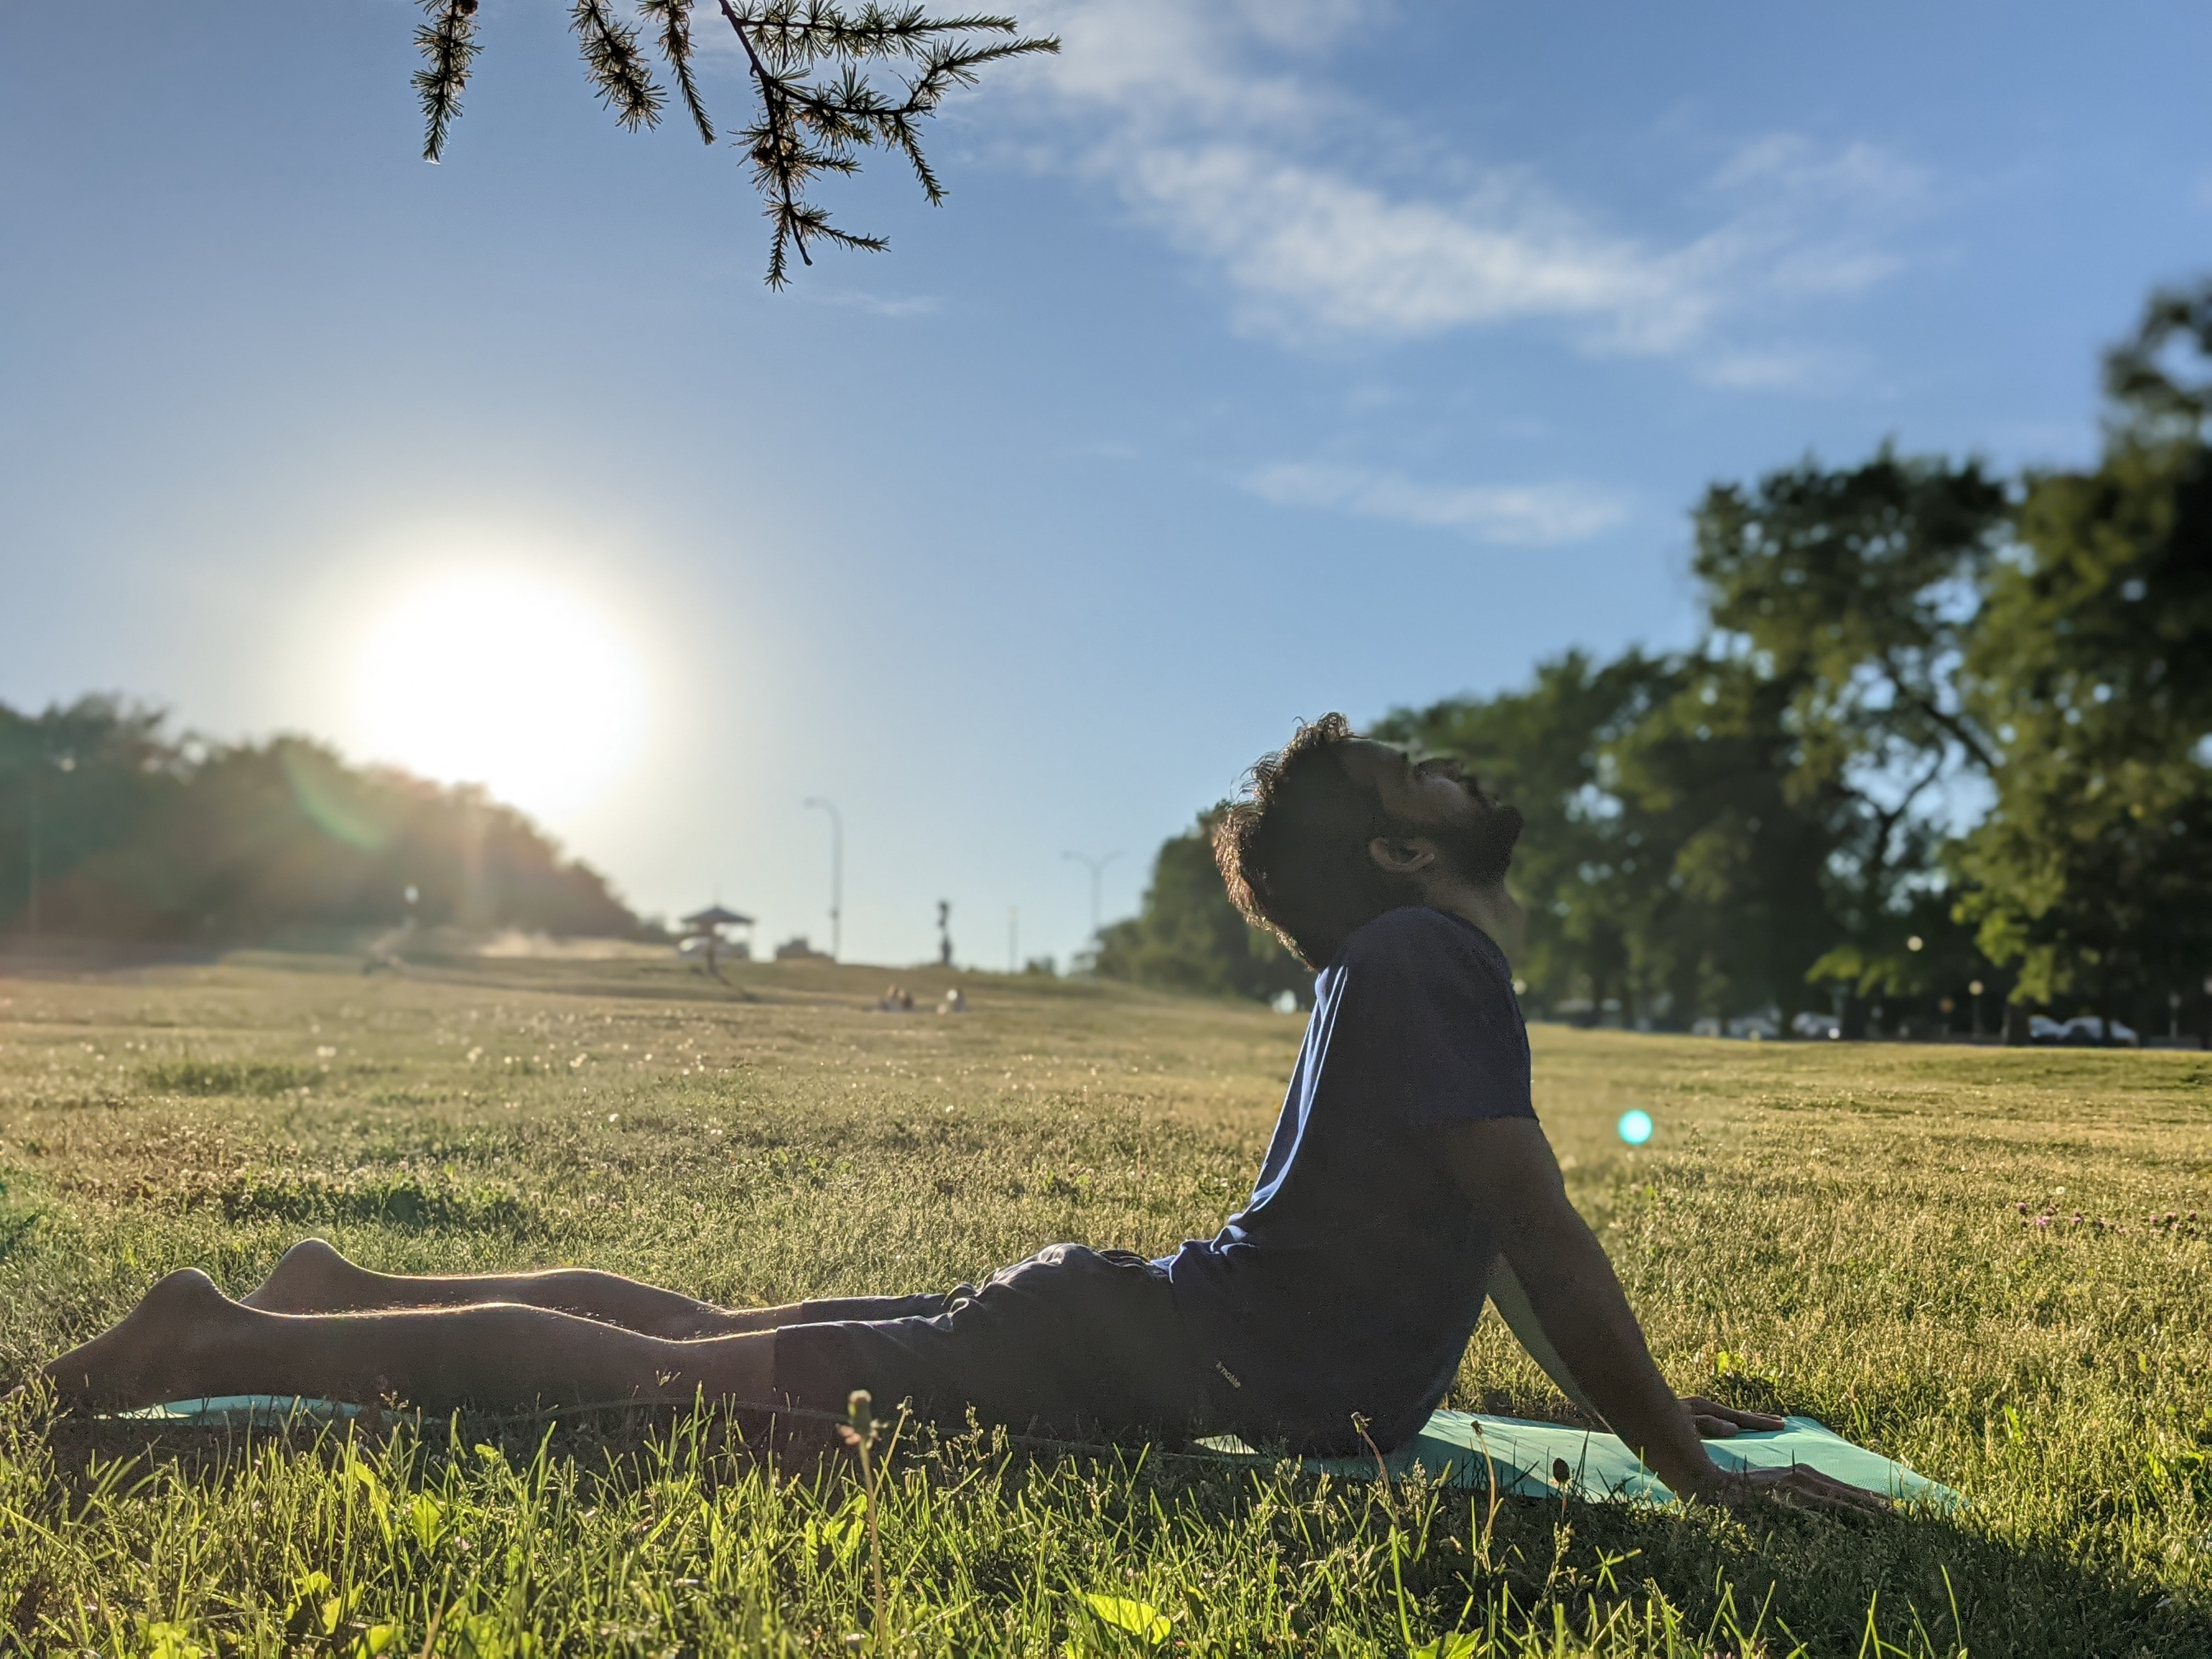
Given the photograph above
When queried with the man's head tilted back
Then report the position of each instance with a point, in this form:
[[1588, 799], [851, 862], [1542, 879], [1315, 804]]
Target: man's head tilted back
[[1335, 829]]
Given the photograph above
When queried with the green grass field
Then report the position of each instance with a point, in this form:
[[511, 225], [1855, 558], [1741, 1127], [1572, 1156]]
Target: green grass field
[[1831, 1230]]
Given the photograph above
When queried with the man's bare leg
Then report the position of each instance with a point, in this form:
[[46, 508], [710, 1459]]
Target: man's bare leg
[[314, 1278], [187, 1340]]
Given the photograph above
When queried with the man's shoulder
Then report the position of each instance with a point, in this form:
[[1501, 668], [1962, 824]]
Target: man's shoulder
[[1414, 935]]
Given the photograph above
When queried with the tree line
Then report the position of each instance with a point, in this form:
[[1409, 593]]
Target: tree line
[[1941, 753], [112, 827]]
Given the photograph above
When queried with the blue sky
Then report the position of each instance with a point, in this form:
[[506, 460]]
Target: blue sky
[[1268, 359]]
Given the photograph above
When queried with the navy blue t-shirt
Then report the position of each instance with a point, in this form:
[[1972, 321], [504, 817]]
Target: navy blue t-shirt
[[1351, 1282]]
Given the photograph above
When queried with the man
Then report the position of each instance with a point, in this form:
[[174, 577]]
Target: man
[[1407, 1179]]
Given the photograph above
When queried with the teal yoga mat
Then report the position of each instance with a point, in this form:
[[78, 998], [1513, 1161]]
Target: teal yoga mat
[[1455, 1449], [241, 1410], [1529, 1457]]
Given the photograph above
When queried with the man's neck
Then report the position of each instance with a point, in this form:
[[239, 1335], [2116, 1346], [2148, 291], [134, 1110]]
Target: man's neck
[[1488, 907]]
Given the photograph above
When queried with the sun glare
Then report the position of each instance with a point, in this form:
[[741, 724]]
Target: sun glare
[[502, 680]]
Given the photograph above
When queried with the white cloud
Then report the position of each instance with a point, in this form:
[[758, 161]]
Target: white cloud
[[879, 305], [1308, 246], [1778, 368], [1519, 515], [1205, 121]]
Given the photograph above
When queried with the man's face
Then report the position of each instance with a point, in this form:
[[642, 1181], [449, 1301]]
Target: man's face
[[1433, 792], [1437, 803]]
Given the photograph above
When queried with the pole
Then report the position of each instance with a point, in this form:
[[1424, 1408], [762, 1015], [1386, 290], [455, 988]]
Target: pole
[[1097, 867], [836, 874], [31, 911]]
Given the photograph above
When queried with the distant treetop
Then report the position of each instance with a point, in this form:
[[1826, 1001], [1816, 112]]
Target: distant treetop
[[817, 105]]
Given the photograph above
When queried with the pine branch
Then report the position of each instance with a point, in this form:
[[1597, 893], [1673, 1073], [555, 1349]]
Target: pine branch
[[811, 128], [675, 18], [806, 128], [616, 65], [447, 43]]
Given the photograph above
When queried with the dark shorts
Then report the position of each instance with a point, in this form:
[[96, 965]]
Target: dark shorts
[[1073, 1343]]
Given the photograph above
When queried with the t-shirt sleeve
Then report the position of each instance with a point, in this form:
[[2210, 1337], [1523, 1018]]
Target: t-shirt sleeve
[[1433, 1025]]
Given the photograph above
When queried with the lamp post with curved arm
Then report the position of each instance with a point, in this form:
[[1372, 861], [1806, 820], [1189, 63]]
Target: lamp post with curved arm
[[836, 874]]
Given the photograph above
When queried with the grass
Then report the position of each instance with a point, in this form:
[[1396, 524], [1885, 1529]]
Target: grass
[[1831, 1229]]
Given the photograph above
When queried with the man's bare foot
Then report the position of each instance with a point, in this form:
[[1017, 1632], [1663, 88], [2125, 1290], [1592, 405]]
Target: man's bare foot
[[311, 1276], [152, 1355]]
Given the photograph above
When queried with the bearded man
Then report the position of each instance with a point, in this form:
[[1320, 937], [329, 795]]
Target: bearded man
[[1408, 1182]]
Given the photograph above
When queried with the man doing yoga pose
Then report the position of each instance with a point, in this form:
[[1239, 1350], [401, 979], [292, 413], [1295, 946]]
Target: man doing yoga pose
[[1406, 1181]]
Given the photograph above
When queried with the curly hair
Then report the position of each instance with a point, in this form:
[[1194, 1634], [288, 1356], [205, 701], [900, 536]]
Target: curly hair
[[1294, 847]]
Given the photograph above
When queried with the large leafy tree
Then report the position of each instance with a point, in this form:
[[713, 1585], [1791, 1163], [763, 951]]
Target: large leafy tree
[[2093, 666], [135, 833], [1726, 908], [1850, 595], [813, 66]]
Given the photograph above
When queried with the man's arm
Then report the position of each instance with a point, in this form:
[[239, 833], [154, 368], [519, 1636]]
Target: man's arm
[[1506, 1167]]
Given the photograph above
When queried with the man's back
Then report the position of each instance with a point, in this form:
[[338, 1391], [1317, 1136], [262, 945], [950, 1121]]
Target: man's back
[[1351, 1282]]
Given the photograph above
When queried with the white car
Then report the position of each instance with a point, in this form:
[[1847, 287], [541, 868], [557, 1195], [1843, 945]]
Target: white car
[[2084, 1030]]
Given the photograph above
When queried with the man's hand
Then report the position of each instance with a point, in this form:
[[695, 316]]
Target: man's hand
[[1801, 1487], [1714, 1421], [1797, 1488], [1506, 1169]]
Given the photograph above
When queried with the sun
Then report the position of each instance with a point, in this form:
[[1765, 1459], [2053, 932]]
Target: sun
[[505, 680]]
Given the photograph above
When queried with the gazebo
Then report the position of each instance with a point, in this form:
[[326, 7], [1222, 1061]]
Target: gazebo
[[707, 927]]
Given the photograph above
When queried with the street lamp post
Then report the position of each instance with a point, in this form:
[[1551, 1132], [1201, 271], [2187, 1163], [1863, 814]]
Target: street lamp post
[[1097, 867], [836, 874]]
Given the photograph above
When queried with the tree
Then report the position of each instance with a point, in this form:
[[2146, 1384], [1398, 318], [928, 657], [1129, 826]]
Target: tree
[[134, 834], [2093, 666], [1727, 903], [1187, 936], [810, 61], [1852, 593]]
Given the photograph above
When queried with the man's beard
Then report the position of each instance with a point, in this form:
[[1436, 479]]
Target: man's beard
[[1480, 851]]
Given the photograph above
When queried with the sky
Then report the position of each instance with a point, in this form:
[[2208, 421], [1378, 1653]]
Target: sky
[[1269, 357]]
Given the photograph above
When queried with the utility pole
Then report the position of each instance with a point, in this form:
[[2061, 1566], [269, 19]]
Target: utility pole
[[1097, 867], [836, 874]]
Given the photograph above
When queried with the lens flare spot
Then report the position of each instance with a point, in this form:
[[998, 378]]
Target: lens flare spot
[[1635, 1127]]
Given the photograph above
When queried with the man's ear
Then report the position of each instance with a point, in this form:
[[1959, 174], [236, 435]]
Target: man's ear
[[1402, 857]]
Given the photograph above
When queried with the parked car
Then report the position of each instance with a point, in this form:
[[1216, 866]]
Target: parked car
[[1810, 1024], [2082, 1031]]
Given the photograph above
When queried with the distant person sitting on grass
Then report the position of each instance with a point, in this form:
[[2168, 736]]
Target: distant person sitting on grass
[[1408, 1178]]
